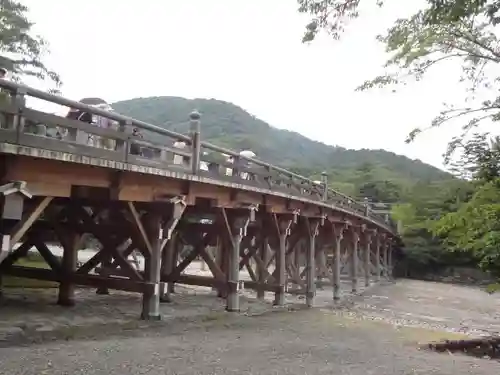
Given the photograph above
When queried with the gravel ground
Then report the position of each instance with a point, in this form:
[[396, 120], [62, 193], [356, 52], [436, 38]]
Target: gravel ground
[[302, 342], [446, 307], [377, 334]]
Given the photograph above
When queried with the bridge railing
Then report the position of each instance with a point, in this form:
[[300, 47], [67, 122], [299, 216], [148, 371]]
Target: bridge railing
[[159, 148]]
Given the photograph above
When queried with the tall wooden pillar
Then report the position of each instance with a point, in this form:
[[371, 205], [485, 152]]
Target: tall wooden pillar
[[261, 270], [389, 260], [385, 258], [378, 269], [354, 259], [312, 231], [169, 240], [366, 257], [152, 267], [283, 228], [168, 264], [338, 235], [70, 244], [238, 228]]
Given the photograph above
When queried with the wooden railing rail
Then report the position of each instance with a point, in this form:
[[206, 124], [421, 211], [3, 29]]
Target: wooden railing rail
[[28, 127]]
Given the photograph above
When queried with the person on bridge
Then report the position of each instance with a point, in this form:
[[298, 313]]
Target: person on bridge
[[105, 123], [135, 148], [242, 162]]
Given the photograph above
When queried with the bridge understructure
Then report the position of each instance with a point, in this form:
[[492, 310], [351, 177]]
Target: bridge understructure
[[173, 206]]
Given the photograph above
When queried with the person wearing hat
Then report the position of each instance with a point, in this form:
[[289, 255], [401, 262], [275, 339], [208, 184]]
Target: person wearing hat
[[135, 148]]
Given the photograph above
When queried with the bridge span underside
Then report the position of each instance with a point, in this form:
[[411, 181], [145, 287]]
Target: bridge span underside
[[288, 233]]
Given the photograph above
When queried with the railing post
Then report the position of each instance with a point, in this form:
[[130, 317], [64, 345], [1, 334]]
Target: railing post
[[19, 100], [123, 146], [195, 129], [324, 182]]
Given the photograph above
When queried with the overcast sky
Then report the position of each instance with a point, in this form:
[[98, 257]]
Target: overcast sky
[[248, 52]]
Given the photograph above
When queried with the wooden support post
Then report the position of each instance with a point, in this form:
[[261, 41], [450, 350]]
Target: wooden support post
[[69, 264], [261, 270], [354, 260], [168, 265], [312, 226], [238, 231], [283, 229], [338, 232], [152, 267], [385, 258], [168, 246], [389, 260], [378, 269], [366, 257]]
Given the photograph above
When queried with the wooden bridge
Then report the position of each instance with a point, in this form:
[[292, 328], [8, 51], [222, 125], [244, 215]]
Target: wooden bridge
[[172, 205]]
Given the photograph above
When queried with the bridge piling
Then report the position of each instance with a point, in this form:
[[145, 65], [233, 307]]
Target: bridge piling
[[152, 266], [261, 260], [282, 226], [338, 236], [367, 257], [312, 232], [378, 269], [70, 241], [237, 230], [354, 259], [168, 263]]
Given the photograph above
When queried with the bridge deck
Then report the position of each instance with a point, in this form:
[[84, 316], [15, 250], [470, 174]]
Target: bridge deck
[[173, 199]]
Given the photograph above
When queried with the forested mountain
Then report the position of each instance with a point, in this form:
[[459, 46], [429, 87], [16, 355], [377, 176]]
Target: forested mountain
[[228, 125]]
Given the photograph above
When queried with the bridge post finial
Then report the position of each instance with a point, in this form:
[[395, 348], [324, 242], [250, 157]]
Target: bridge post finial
[[324, 181], [195, 130]]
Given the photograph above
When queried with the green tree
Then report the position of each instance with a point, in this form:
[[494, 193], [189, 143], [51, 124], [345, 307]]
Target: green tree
[[21, 51], [475, 227], [479, 158]]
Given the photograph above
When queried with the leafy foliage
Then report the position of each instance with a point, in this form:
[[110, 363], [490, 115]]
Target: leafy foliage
[[475, 227], [21, 50]]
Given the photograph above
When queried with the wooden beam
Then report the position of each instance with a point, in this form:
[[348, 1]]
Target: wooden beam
[[22, 227]]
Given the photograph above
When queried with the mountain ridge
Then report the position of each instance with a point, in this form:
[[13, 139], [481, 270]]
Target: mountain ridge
[[228, 125]]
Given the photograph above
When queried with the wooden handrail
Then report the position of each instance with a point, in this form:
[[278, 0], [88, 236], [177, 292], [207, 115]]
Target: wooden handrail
[[295, 183]]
